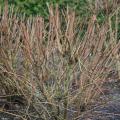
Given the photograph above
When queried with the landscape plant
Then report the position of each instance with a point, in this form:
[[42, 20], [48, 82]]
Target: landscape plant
[[59, 72]]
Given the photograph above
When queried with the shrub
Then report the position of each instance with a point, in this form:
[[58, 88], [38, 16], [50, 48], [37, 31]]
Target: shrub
[[59, 72]]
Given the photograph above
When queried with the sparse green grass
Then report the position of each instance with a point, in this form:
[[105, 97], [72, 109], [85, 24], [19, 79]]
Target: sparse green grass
[[52, 65]]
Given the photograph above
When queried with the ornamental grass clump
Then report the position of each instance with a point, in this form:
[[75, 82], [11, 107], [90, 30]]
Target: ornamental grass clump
[[59, 72]]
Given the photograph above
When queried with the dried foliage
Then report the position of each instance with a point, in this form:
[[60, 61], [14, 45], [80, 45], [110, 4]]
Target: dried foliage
[[58, 71]]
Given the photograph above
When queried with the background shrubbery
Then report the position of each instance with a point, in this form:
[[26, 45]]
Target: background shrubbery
[[35, 7], [83, 8]]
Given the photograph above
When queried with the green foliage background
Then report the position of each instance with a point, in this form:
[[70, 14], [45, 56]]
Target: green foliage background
[[39, 7], [83, 8]]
